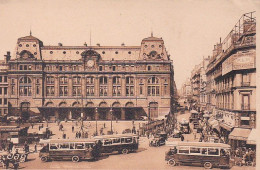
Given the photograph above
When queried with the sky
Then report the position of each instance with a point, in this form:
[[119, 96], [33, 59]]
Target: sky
[[189, 28]]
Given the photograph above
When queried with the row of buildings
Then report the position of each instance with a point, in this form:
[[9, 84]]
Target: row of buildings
[[224, 84], [92, 82]]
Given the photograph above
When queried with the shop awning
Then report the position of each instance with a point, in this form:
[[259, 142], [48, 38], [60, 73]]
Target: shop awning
[[239, 134], [252, 137]]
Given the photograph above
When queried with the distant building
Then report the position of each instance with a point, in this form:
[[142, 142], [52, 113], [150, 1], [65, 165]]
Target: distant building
[[68, 82]]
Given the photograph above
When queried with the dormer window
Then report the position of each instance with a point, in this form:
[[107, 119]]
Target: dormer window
[[20, 45], [116, 52], [27, 45], [34, 45]]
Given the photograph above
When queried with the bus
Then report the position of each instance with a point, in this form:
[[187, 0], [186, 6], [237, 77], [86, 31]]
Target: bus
[[202, 153], [69, 149], [122, 143]]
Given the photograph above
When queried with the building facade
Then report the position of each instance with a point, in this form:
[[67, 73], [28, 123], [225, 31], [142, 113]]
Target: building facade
[[92, 82]]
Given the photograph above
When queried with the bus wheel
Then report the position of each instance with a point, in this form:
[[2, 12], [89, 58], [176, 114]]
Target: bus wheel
[[125, 151], [172, 162], [75, 159], [16, 156], [207, 165], [44, 159], [23, 158]]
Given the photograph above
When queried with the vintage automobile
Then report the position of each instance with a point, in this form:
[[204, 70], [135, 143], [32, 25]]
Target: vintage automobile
[[194, 116], [206, 154], [159, 139], [176, 134], [185, 127]]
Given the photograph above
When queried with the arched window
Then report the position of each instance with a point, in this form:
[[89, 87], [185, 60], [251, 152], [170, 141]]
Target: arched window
[[63, 86], [130, 86], [90, 88], [153, 87], [25, 86], [103, 86], [76, 89], [116, 86]]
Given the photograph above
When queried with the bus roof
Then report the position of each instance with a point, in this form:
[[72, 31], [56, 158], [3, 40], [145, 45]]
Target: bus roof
[[71, 140], [115, 136], [198, 144]]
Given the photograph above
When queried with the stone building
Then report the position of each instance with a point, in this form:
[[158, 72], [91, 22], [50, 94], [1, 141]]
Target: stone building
[[92, 82], [231, 80]]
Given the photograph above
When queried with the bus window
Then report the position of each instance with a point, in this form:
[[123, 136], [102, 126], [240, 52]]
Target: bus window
[[107, 142], [204, 151], [194, 150], [79, 145], [53, 146], [128, 140], [117, 140], [72, 146], [64, 146], [213, 151], [183, 150]]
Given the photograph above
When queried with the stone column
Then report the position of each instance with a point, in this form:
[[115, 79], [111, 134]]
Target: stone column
[[96, 114], [122, 113], [96, 86]]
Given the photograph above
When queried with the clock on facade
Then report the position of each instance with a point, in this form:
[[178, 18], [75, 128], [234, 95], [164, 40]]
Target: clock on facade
[[90, 63]]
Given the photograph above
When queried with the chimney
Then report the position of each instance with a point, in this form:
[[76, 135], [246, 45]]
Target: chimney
[[85, 44], [98, 44], [60, 44], [123, 44], [7, 57]]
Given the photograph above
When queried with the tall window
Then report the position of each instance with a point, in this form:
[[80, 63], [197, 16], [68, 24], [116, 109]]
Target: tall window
[[63, 86], [129, 86], [116, 86], [76, 89], [103, 86], [25, 86], [153, 87], [245, 79], [90, 86], [50, 91]]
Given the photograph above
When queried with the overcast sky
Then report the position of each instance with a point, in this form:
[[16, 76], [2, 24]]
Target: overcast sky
[[189, 28]]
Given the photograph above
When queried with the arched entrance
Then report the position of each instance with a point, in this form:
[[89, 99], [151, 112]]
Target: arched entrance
[[116, 110], [63, 111], [90, 111], [25, 108], [76, 111], [129, 111], [153, 110], [103, 111]]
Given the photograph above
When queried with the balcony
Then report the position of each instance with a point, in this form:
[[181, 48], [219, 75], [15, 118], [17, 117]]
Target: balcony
[[245, 106], [245, 84]]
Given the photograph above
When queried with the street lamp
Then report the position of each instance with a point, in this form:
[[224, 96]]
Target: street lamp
[[96, 113], [111, 112], [149, 116]]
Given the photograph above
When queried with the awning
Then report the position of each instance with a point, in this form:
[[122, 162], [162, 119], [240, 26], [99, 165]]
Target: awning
[[239, 134], [252, 137], [225, 126]]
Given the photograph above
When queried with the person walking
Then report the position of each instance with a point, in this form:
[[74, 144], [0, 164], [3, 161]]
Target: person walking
[[79, 135], [35, 148], [72, 128], [182, 138]]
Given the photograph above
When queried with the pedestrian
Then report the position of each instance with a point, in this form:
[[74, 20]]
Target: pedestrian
[[64, 135], [35, 148], [32, 125], [42, 125], [182, 138], [79, 134], [39, 127], [104, 125], [72, 128], [86, 135]]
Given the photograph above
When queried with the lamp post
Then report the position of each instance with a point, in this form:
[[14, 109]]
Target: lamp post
[[96, 112], [111, 112], [148, 116]]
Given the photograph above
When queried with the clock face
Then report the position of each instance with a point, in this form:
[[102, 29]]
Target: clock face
[[90, 63]]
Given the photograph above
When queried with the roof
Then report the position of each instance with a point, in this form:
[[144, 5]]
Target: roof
[[152, 39], [198, 144], [71, 140], [115, 136], [239, 134], [30, 37]]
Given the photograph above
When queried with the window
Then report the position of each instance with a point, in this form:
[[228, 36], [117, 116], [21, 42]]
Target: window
[[114, 68], [5, 79], [49, 80], [1, 78], [13, 90], [63, 90], [149, 68], [204, 151], [183, 150], [100, 68], [153, 87], [90, 90], [60, 68], [126, 140], [37, 89], [116, 52], [194, 150], [1, 101], [50, 91], [77, 80], [107, 142], [79, 145], [245, 79], [116, 86], [63, 80], [213, 151], [245, 102], [25, 87], [54, 146], [129, 86], [5, 90], [141, 89], [76, 89], [103, 86], [117, 140], [64, 146]]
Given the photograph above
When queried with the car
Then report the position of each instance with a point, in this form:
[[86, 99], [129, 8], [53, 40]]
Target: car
[[35, 119], [144, 118], [12, 118]]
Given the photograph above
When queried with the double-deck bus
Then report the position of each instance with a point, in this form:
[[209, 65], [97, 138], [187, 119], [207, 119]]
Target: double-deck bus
[[202, 153], [69, 149], [122, 143]]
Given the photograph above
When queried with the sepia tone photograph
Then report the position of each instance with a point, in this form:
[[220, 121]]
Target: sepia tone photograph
[[121, 84]]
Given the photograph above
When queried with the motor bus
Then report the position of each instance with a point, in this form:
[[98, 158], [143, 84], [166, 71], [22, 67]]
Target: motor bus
[[69, 149], [122, 143], [202, 153]]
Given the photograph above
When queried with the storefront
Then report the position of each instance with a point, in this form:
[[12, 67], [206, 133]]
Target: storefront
[[238, 137]]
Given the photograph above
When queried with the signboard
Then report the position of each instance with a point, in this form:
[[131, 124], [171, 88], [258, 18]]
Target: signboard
[[239, 61]]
